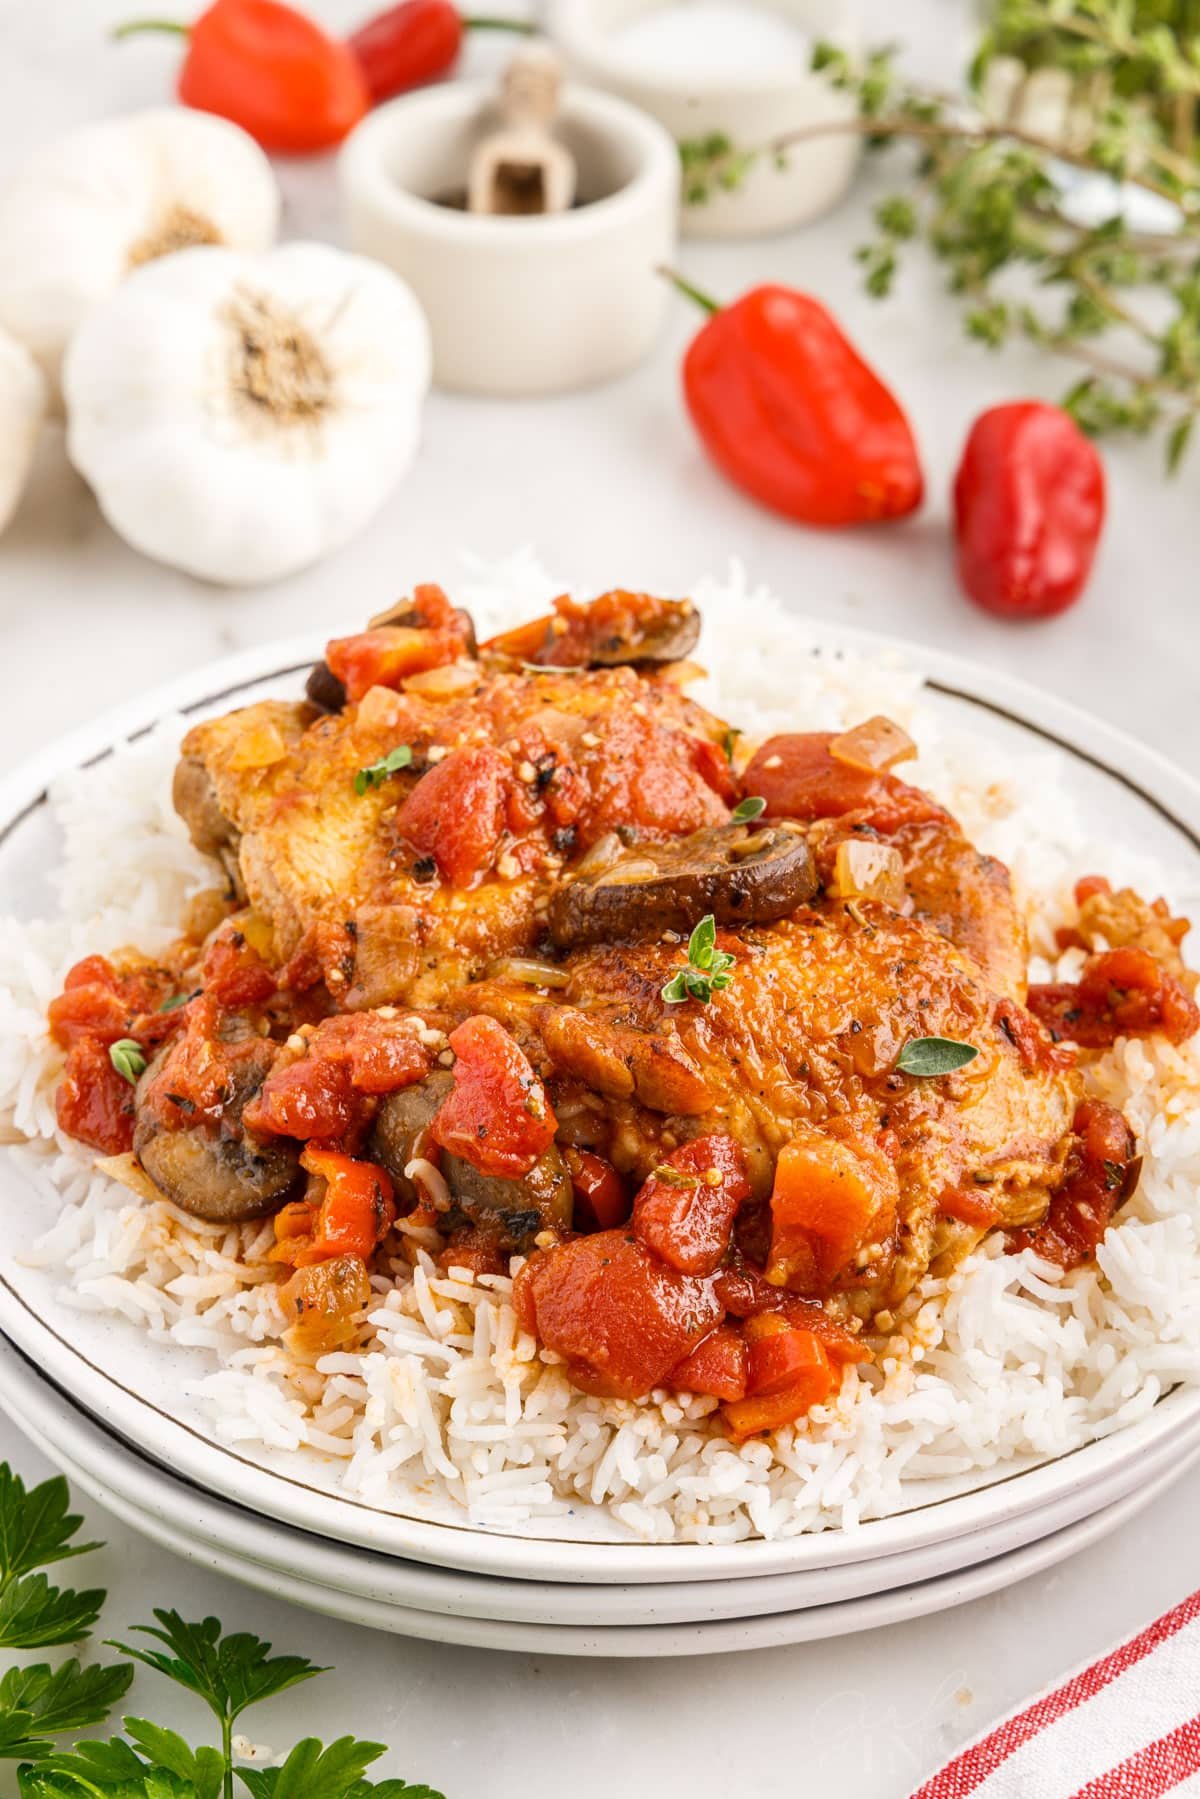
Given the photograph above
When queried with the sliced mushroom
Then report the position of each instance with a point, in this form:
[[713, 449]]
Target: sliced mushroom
[[521, 1207], [541, 1200], [324, 689], [742, 874], [667, 634], [617, 629], [226, 1174], [328, 693], [399, 1122]]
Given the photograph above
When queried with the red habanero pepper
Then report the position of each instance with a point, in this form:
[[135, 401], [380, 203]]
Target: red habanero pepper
[[790, 412], [270, 70], [1028, 510], [416, 42]]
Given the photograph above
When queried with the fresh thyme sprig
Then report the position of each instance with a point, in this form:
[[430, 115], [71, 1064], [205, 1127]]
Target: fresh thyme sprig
[[989, 198]]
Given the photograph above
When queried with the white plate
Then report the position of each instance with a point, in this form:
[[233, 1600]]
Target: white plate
[[693, 1635], [134, 1387], [114, 1472]]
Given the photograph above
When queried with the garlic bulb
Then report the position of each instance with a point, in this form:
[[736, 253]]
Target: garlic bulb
[[84, 211], [22, 408], [237, 416]]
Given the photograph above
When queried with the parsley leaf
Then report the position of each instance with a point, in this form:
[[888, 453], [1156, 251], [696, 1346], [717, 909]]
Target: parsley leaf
[[127, 1058], [751, 807], [36, 1526], [227, 1672], [40, 1702], [707, 971], [315, 1771], [927, 1057], [376, 773], [35, 1615]]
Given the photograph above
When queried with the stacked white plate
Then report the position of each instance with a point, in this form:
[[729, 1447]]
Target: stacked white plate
[[105, 1403], [611, 1600]]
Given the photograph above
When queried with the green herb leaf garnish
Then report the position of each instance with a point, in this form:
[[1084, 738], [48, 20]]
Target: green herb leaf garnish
[[128, 1059], [708, 968], [729, 743], [173, 1003], [376, 773], [149, 1761], [751, 807], [926, 1057]]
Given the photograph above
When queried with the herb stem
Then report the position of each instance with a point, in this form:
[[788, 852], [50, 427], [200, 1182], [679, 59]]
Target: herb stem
[[135, 27], [686, 288]]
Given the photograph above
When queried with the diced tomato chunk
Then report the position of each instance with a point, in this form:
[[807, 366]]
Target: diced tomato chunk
[[497, 1116], [799, 778], [381, 1055], [830, 1199], [601, 1197], [387, 655], [307, 1099], [235, 975], [1121, 993], [716, 1367], [1088, 886], [1102, 1171], [619, 1316], [94, 1103], [456, 813], [685, 1210]]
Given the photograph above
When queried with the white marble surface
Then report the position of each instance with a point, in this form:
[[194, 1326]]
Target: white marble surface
[[611, 488]]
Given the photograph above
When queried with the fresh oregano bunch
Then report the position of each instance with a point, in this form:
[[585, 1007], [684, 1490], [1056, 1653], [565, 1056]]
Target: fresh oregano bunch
[[992, 201]]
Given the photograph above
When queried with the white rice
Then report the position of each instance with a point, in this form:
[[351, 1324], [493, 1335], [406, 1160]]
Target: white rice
[[447, 1401]]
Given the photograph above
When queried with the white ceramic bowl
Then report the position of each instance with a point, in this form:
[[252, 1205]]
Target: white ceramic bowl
[[749, 110], [519, 306]]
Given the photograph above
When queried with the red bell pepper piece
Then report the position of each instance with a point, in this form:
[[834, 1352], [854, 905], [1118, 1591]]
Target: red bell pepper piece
[[356, 1212], [601, 1197], [1029, 504], [789, 411]]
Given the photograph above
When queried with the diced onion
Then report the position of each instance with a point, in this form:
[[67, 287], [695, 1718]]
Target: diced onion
[[874, 746], [128, 1172], [431, 1181], [866, 870], [259, 746], [533, 973], [604, 852], [443, 683]]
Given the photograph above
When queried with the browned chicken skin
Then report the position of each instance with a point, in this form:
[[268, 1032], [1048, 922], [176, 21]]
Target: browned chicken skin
[[807, 1033], [365, 889]]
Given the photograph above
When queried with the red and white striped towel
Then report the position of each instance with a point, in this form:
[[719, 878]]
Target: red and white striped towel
[[1127, 1727]]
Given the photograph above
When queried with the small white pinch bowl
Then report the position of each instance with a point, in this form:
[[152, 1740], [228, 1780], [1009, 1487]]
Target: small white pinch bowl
[[750, 110], [519, 306]]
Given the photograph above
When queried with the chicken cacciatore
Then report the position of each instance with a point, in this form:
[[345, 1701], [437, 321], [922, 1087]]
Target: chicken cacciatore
[[517, 944]]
